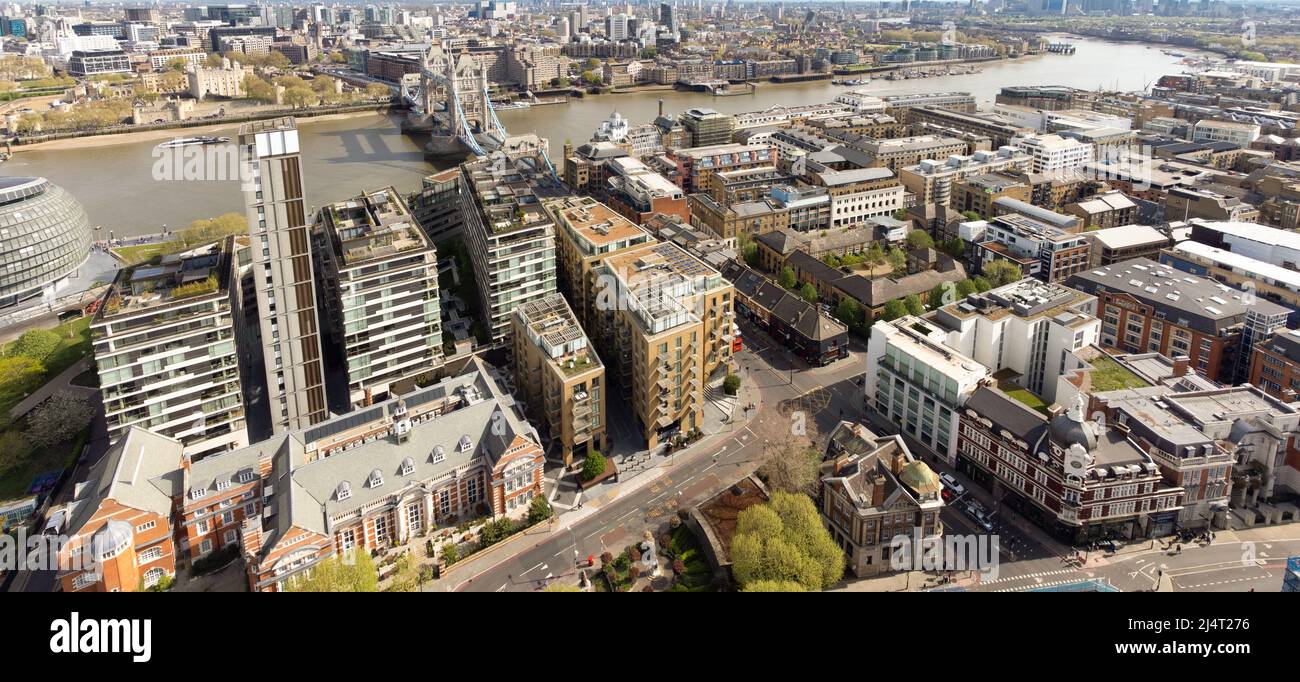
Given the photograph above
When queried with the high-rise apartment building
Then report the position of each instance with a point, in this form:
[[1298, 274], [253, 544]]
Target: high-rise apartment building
[[283, 274], [560, 376], [379, 278], [511, 240], [164, 343], [671, 319], [588, 232]]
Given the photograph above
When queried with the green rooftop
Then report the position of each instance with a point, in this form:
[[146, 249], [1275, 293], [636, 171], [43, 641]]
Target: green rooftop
[[1108, 375]]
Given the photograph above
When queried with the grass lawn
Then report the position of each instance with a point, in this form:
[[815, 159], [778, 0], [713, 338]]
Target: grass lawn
[[142, 253], [1108, 375], [1024, 396], [74, 344]]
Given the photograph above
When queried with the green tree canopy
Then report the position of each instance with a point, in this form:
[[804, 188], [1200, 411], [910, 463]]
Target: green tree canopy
[[913, 305], [538, 510], [37, 344], [774, 586], [893, 310], [593, 466], [784, 540], [787, 278], [1001, 272], [981, 283], [971, 215], [939, 296], [808, 292], [353, 572], [20, 374], [919, 239]]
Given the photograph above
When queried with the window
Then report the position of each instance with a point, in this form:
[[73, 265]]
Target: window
[[145, 526], [84, 580], [230, 536], [151, 554], [205, 547], [153, 576], [376, 479]]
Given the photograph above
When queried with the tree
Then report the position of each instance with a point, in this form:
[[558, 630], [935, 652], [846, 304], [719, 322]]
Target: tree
[[955, 247], [774, 586], [20, 374], [593, 466], [900, 214], [787, 278], [538, 510], [208, 230], [897, 260], [37, 344], [808, 292], [913, 305], [784, 540], [850, 259], [496, 531], [450, 554], [258, 89], [1002, 272], [57, 420], [939, 297], [919, 239], [850, 313], [965, 288], [971, 215], [378, 91], [893, 310], [832, 260], [338, 58], [731, 384], [350, 572], [276, 60], [213, 61], [177, 64], [592, 78], [790, 465], [300, 97], [406, 577], [981, 284]]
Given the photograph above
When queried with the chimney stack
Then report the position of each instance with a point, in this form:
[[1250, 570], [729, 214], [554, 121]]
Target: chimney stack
[[878, 490], [1181, 365]]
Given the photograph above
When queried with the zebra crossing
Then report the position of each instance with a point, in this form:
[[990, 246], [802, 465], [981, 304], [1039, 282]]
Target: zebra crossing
[[1029, 576], [720, 399]]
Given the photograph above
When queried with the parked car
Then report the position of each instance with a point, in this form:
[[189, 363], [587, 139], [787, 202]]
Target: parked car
[[951, 482]]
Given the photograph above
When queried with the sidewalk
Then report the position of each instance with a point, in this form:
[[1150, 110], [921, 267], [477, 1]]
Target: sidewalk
[[591, 501]]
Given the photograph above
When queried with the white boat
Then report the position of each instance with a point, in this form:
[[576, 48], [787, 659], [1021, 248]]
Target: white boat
[[512, 105], [190, 141]]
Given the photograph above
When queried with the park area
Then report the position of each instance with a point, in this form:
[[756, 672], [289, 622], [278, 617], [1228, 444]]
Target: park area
[[49, 437]]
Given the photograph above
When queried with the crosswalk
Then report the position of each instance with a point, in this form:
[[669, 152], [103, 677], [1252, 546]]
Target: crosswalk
[[1029, 576]]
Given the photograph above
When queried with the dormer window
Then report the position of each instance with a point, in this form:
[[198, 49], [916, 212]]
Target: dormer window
[[408, 466], [197, 493], [245, 476], [343, 492], [223, 483], [439, 453], [465, 443], [376, 479]]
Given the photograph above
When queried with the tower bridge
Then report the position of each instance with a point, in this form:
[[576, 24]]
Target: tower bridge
[[451, 101]]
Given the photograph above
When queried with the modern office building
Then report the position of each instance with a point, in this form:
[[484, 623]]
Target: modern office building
[[899, 152], [164, 345], [1039, 250], [696, 165], [560, 376], [1235, 132], [510, 238], [671, 320], [1022, 331], [284, 277], [708, 127], [900, 105], [379, 286], [931, 180], [84, 63], [916, 384], [1053, 153], [44, 238], [1149, 307]]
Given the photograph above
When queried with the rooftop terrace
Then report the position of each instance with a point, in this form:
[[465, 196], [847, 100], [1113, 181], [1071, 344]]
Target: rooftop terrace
[[372, 226]]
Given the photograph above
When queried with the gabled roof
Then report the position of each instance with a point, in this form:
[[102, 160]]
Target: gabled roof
[[141, 471]]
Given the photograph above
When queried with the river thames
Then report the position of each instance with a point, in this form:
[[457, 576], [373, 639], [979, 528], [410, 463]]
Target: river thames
[[342, 157]]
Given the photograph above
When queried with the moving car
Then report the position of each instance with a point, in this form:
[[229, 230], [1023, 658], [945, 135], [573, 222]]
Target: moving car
[[977, 514], [951, 482]]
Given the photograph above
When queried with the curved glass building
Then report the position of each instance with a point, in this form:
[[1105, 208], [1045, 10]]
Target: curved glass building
[[44, 237]]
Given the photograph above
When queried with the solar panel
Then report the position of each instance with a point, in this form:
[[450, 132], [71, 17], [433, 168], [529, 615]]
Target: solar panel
[[341, 424]]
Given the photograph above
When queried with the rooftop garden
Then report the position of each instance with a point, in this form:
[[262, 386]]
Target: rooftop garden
[[1108, 375], [1021, 394], [199, 288]]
